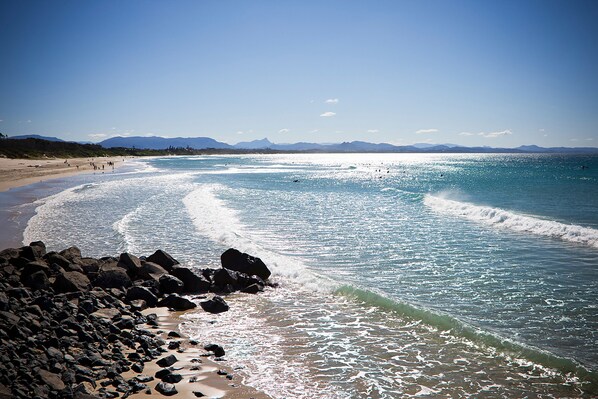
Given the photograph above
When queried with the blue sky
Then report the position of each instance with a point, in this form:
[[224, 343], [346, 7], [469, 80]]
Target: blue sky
[[502, 73]]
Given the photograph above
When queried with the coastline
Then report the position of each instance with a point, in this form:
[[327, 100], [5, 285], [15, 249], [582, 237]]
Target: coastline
[[21, 172]]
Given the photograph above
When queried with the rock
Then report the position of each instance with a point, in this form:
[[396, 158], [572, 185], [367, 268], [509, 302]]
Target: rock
[[55, 258], [176, 302], [166, 389], [252, 289], [163, 259], [151, 271], [167, 361], [71, 282], [233, 259], [89, 265], [174, 334], [112, 278], [223, 277], [130, 263], [142, 293], [193, 282], [170, 284], [214, 305], [217, 349], [73, 254], [39, 248], [173, 378], [27, 253], [32, 267], [37, 281], [51, 380]]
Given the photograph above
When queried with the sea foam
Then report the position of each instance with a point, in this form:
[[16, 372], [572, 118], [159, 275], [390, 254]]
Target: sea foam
[[513, 221]]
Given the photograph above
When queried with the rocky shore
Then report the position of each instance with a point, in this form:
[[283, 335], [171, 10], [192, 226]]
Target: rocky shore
[[80, 327]]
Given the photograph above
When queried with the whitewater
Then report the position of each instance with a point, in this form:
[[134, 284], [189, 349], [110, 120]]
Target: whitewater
[[401, 275]]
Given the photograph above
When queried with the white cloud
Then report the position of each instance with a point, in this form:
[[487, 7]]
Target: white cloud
[[373, 131], [332, 101], [28, 120], [240, 132], [589, 139], [541, 130], [465, 134], [573, 140], [493, 135], [328, 114], [97, 135], [424, 131], [315, 131], [285, 130]]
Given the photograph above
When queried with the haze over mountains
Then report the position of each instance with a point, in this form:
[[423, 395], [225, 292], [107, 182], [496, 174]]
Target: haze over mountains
[[162, 143]]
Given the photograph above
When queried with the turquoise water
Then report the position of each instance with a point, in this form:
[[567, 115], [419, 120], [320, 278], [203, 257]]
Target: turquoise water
[[401, 274]]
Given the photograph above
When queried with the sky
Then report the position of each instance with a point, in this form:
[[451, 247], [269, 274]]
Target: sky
[[495, 73]]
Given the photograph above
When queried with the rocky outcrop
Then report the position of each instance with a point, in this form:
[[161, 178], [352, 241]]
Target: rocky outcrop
[[233, 259]]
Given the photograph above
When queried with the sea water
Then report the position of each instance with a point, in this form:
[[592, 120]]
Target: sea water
[[401, 275]]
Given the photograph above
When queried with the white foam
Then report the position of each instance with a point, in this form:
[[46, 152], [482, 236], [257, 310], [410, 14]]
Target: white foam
[[513, 221], [213, 218]]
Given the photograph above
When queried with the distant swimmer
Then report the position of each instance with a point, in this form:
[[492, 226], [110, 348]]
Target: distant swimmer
[[296, 181], [584, 167]]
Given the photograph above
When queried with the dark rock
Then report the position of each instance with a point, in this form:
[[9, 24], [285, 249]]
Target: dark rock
[[144, 378], [51, 380], [173, 378], [142, 293], [241, 262], [214, 305], [160, 374], [89, 265], [171, 284], [222, 372], [55, 258], [198, 394], [112, 278], [130, 263], [151, 271], [174, 334], [176, 302], [73, 254], [28, 253], [167, 361], [138, 304], [172, 345], [252, 289], [193, 282], [137, 367], [217, 349], [37, 281], [32, 267], [71, 282], [163, 259], [39, 248], [166, 389], [223, 277]]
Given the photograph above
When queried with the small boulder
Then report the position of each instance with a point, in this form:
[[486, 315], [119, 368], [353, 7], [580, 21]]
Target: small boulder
[[51, 380], [170, 284], [241, 262], [130, 263], [214, 305], [223, 277], [55, 258], [166, 389], [167, 361], [193, 282], [37, 281], [176, 302], [134, 293], [112, 278], [73, 254], [39, 248], [151, 271], [71, 282], [216, 349], [163, 259]]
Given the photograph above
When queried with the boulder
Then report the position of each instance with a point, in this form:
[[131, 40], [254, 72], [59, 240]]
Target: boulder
[[163, 259], [166, 389], [214, 305], [223, 277], [28, 253], [176, 302], [167, 361], [71, 282], [134, 293], [55, 258], [252, 289], [32, 267], [217, 349], [112, 278], [89, 265], [73, 254], [39, 248], [233, 259], [37, 281], [193, 282], [151, 271], [130, 263], [51, 380], [170, 284]]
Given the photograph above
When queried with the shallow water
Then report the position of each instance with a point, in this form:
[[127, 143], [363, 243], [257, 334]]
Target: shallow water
[[401, 274]]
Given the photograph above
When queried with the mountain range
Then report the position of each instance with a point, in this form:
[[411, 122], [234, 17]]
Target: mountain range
[[162, 143]]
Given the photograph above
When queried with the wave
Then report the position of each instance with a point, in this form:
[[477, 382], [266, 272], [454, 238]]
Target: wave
[[513, 221], [512, 350], [213, 218]]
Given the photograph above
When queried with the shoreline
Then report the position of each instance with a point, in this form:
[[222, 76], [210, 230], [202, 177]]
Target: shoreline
[[21, 172]]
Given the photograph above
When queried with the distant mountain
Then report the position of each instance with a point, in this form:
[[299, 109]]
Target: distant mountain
[[428, 145], [255, 144], [162, 143], [35, 136]]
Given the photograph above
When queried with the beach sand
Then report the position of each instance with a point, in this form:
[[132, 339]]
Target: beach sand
[[199, 372], [21, 172]]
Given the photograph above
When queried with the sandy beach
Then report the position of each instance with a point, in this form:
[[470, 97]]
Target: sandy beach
[[22, 172]]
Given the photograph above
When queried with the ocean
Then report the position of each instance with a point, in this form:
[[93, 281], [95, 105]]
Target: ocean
[[400, 275]]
